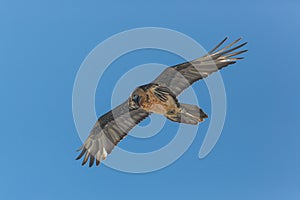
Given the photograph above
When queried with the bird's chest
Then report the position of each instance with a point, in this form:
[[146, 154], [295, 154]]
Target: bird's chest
[[152, 104]]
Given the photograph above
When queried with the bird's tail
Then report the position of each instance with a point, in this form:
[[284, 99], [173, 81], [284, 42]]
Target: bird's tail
[[189, 114]]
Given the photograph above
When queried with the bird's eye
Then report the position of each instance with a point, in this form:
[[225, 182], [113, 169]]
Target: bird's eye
[[134, 97]]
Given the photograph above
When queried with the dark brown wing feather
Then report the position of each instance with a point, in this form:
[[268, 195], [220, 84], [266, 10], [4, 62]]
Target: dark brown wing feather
[[108, 131], [179, 77]]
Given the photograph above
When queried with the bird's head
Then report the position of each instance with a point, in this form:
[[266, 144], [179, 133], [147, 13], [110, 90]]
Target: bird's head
[[136, 98]]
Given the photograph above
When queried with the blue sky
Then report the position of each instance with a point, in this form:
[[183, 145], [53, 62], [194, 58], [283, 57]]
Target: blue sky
[[43, 43]]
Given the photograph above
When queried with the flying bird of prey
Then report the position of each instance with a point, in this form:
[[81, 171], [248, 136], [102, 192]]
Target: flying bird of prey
[[159, 96]]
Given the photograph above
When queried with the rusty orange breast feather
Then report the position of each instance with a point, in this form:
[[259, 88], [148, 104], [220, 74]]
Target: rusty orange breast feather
[[151, 103]]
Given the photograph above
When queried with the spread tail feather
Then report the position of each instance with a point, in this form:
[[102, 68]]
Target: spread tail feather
[[189, 114]]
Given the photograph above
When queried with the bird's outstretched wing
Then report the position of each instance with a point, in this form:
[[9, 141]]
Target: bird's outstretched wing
[[108, 131], [181, 76]]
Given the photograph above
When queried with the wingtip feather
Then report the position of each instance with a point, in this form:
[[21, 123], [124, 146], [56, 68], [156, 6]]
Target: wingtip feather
[[220, 44], [86, 157], [80, 148], [91, 163], [97, 162], [81, 154]]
